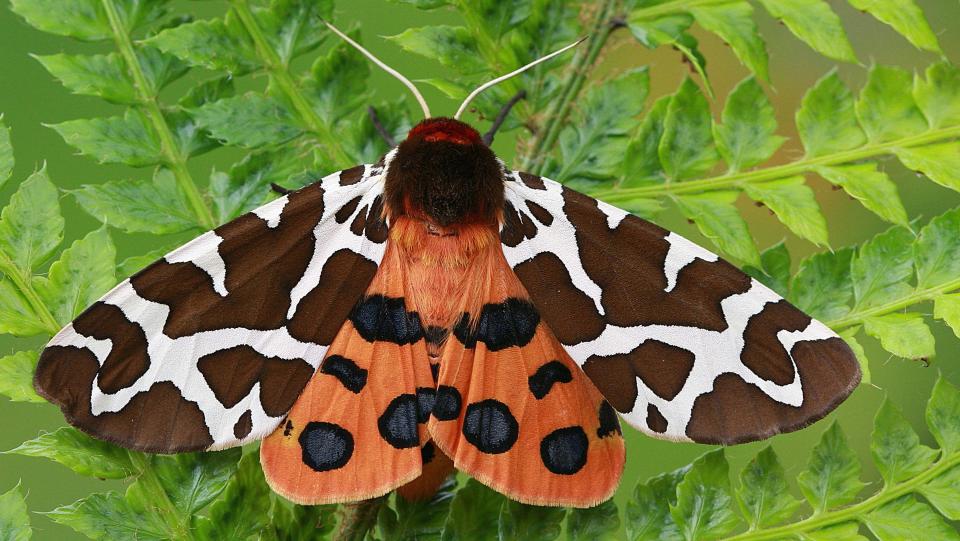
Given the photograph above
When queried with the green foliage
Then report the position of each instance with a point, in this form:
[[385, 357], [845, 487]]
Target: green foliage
[[696, 502], [302, 110]]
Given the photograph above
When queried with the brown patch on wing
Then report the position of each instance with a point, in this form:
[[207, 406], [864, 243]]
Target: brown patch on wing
[[359, 222], [736, 411], [532, 181], [655, 420], [262, 266], [662, 367], [511, 234], [158, 420], [243, 425], [762, 351], [376, 228], [627, 262], [351, 176], [346, 211], [321, 313], [541, 214], [128, 359], [232, 373], [571, 314]]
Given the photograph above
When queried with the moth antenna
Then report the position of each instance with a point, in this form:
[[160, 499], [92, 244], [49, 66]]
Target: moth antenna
[[502, 78], [386, 68]]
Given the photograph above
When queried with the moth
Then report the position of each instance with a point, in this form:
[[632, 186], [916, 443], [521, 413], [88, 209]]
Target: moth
[[437, 310]]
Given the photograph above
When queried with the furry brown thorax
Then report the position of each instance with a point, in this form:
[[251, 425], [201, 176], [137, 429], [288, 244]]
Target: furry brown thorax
[[444, 174]]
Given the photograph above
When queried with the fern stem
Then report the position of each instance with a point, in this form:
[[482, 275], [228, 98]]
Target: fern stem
[[853, 512], [23, 284], [543, 141], [777, 171], [178, 523], [358, 518], [280, 74], [174, 159], [918, 296], [668, 8]]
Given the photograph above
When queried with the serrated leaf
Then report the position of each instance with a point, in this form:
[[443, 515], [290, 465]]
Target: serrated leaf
[[423, 4], [905, 335], [598, 523], [827, 120], [794, 204], [31, 226], [593, 145], [906, 519], [111, 516], [81, 19], [251, 120], [361, 138], [338, 83], [763, 494], [452, 46], [522, 522], [718, 219], [6, 153], [159, 68], [947, 308], [208, 91], [940, 162], [648, 512], [832, 477], [16, 377], [643, 207], [470, 513], [704, 499], [938, 94], [213, 44], [814, 22], [243, 509], [943, 493], [192, 480], [733, 22], [127, 139], [848, 531], [746, 136], [14, 521], [84, 272], [943, 416], [775, 269], [79, 452], [937, 250], [131, 265], [17, 316], [641, 162], [896, 447], [906, 17], [294, 27], [882, 266], [417, 520], [247, 185], [669, 30], [686, 147], [102, 75], [873, 188], [138, 206], [289, 522], [886, 108], [849, 336]]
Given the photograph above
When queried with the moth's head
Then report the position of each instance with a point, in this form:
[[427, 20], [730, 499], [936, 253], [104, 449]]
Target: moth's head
[[444, 174]]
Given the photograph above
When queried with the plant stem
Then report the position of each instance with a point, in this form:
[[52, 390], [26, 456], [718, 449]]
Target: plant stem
[[918, 296], [23, 284], [356, 519], [668, 8], [280, 74], [543, 141], [173, 158], [775, 172], [178, 523], [853, 512]]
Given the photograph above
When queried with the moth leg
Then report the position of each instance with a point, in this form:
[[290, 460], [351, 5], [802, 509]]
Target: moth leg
[[502, 116], [387, 138]]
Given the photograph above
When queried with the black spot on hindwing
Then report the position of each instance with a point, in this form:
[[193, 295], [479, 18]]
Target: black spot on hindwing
[[448, 403], [512, 322], [346, 371], [543, 379], [564, 451], [380, 318], [609, 424], [490, 426], [427, 452], [398, 423], [426, 398], [325, 446]]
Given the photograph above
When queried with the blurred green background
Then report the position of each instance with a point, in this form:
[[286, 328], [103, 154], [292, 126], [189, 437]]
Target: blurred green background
[[29, 97]]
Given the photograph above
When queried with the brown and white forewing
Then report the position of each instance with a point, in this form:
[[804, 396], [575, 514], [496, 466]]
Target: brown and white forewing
[[684, 345], [210, 346]]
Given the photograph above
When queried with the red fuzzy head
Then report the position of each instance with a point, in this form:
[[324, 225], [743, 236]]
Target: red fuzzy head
[[444, 173]]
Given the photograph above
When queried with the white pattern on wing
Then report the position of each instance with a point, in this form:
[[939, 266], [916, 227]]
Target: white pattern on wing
[[175, 359], [715, 352]]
